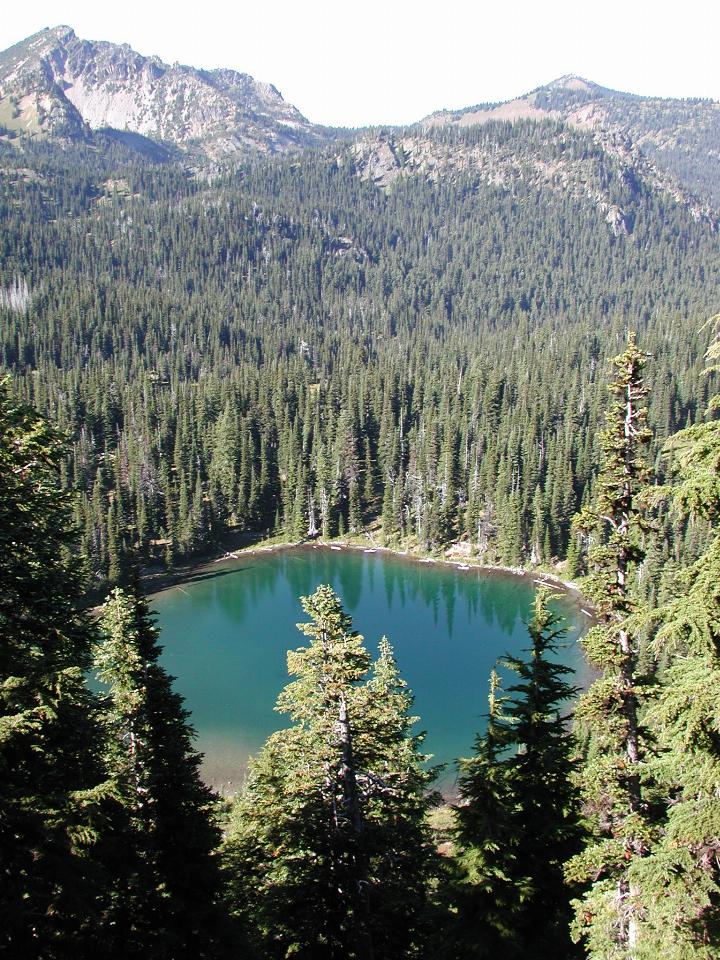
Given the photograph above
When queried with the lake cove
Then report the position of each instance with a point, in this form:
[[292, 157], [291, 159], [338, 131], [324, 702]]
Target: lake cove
[[226, 633]]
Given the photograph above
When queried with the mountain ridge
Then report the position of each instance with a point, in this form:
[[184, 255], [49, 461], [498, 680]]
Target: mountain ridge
[[682, 136], [57, 84]]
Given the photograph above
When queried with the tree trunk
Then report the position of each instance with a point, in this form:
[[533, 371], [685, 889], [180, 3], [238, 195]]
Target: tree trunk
[[353, 822]]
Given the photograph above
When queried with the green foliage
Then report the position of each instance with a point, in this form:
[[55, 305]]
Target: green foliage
[[327, 851], [614, 775], [679, 882], [166, 896], [286, 347], [52, 788], [518, 820]]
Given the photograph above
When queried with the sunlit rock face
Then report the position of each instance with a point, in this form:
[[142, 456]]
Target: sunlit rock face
[[54, 83]]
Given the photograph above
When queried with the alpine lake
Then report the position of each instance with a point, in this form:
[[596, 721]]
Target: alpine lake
[[226, 632]]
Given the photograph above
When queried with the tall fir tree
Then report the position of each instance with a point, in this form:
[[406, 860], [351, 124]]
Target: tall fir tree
[[396, 798], [481, 894], [52, 788], [327, 843], [608, 715], [167, 899], [679, 880], [518, 819]]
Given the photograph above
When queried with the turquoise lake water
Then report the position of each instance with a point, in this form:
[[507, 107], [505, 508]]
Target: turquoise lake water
[[226, 634]]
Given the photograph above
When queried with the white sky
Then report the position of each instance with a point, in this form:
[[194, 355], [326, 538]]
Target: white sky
[[394, 61]]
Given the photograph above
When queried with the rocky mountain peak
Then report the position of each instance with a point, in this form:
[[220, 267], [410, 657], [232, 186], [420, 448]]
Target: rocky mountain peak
[[571, 81], [55, 83]]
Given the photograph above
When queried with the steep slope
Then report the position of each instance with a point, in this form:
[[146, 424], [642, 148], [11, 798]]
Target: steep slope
[[681, 136], [57, 84], [543, 154]]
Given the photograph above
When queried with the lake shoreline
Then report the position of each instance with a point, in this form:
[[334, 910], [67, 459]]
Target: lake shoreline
[[157, 580]]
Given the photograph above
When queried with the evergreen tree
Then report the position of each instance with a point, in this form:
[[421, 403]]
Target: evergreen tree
[[518, 819], [394, 789], [52, 789], [608, 715], [327, 844], [482, 895], [167, 892], [679, 881]]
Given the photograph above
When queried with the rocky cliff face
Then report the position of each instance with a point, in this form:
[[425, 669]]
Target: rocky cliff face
[[55, 83]]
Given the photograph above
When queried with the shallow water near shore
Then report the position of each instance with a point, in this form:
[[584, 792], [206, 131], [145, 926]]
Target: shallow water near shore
[[226, 632]]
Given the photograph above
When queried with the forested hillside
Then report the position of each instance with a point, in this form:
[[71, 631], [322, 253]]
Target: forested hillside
[[287, 347]]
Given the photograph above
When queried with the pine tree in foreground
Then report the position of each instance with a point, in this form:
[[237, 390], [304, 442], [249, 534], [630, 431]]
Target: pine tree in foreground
[[327, 848], [52, 788], [481, 893], [518, 820], [609, 713], [167, 881]]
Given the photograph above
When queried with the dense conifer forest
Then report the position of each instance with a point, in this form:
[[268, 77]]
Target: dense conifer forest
[[284, 347]]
